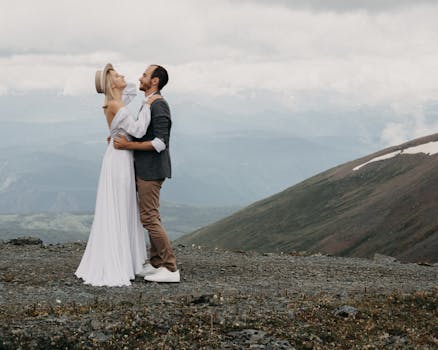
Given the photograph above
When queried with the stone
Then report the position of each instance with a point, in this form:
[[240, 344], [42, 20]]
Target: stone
[[384, 259], [259, 299], [345, 311], [251, 335], [210, 299], [95, 324], [98, 336], [26, 241]]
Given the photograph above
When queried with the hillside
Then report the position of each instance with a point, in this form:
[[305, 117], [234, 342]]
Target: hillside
[[389, 206]]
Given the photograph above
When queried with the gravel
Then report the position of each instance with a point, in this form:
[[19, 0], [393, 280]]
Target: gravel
[[226, 300]]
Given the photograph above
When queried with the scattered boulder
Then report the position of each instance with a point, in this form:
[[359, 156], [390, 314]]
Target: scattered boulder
[[345, 311], [209, 299]]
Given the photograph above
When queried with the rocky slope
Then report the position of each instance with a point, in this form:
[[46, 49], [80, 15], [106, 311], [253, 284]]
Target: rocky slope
[[227, 300], [387, 206]]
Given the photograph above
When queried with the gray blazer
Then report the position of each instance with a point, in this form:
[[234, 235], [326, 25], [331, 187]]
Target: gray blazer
[[151, 165]]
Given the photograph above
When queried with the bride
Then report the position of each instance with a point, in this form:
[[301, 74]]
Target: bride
[[116, 247]]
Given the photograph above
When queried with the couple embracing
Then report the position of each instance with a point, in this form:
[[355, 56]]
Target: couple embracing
[[134, 167]]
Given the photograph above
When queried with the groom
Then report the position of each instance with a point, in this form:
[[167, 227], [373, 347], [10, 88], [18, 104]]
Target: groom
[[152, 166]]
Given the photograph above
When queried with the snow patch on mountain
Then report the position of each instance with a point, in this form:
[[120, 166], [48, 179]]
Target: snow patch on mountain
[[429, 148]]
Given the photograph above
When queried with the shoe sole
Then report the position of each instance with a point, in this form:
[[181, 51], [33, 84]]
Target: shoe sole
[[162, 281], [143, 275]]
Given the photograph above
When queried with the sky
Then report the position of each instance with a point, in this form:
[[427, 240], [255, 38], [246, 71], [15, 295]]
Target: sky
[[320, 58]]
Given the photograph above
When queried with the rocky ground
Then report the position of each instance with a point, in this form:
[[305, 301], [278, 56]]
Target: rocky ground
[[226, 300]]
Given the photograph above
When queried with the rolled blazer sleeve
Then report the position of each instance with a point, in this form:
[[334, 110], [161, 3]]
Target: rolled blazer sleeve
[[160, 114]]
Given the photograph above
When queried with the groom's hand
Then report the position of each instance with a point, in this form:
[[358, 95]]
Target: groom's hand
[[120, 142]]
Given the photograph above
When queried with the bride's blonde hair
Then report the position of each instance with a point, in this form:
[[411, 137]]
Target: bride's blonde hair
[[109, 93]]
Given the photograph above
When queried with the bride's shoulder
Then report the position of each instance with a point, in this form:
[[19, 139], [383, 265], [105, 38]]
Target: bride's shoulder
[[113, 106]]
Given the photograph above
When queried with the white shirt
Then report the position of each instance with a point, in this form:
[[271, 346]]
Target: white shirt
[[129, 93]]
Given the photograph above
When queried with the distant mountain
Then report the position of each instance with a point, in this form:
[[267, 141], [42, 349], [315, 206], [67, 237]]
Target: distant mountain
[[386, 202], [225, 152], [59, 172], [62, 227]]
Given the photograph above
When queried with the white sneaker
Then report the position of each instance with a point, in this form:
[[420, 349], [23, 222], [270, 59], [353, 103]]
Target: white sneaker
[[164, 275], [147, 269]]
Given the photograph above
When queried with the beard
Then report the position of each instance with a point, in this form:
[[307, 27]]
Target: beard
[[144, 87]]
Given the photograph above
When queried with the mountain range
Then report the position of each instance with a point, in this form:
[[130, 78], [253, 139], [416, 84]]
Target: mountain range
[[58, 172], [385, 203], [223, 152]]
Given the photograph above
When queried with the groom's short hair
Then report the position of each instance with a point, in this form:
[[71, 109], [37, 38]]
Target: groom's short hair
[[160, 73]]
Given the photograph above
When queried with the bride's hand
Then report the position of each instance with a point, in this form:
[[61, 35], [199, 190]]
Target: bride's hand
[[152, 99]]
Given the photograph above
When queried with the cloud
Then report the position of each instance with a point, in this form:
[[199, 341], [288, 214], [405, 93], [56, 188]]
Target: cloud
[[410, 127], [395, 133], [345, 5], [344, 56]]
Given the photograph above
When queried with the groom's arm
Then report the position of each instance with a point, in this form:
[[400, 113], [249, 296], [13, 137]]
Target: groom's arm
[[160, 118], [122, 143]]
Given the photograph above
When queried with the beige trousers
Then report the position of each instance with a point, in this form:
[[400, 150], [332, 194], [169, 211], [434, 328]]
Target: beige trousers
[[161, 253]]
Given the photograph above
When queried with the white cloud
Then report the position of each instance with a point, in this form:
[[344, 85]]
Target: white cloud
[[410, 127], [298, 57], [395, 134]]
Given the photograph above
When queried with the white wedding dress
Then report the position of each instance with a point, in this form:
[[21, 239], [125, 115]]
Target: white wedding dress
[[116, 247]]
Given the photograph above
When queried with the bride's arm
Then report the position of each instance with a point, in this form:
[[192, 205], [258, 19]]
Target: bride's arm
[[129, 93], [136, 128]]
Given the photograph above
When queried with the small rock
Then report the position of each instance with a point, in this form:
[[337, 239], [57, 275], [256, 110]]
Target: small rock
[[17, 331], [113, 325], [308, 345], [95, 324], [98, 336], [240, 251], [384, 259], [8, 277], [345, 311], [211, 299], [251, 335], [342, 294]]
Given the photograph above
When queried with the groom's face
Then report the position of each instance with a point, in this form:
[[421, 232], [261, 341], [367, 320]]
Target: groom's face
[[145, 80]]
